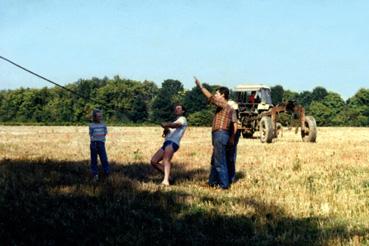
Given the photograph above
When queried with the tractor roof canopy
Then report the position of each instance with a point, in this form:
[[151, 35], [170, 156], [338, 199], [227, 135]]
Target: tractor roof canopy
[[250, 87]]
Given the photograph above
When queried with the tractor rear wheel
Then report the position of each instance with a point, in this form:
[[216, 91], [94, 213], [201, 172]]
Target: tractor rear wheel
[[309, 135], [266, 129]]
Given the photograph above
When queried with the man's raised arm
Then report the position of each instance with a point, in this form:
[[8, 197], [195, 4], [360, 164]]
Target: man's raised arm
[[202, 88]]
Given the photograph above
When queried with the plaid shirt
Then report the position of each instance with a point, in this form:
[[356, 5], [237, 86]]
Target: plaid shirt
[[224, 115]]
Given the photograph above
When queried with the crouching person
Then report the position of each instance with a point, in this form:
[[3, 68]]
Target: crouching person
[[173, 132]]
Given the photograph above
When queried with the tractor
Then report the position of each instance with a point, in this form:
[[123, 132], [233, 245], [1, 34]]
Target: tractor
[[256, 112]]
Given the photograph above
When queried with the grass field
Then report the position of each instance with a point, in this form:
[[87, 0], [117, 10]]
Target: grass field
[[287, 192]]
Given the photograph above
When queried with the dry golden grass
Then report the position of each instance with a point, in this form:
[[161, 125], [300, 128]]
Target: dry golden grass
[[327, 180]]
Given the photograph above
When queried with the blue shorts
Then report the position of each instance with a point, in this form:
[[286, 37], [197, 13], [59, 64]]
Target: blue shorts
[[167, 143]]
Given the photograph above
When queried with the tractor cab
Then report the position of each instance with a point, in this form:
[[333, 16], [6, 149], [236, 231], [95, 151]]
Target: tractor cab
[[253, 98]]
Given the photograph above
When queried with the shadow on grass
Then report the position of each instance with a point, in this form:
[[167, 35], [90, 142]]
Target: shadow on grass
[[54, 202], [143, 172]]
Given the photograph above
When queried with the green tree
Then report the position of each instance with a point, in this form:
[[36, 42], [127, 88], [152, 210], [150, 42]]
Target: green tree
[[357, 112], [32, 106], [201, 118], [173, 87], [2, 102], [149, 91], [117, 96], [327, 111], [290, 95], [60, 106], [139, 111], [12, 101], [194, 100], [169, 94], [277, 94], [305, 98], [319, 93], [162, 107], [337, 105], [322, 113]]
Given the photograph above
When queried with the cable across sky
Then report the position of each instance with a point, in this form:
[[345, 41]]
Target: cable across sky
[[89, 99]]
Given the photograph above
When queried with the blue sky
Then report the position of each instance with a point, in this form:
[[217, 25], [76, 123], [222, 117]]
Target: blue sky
[[297, 44]]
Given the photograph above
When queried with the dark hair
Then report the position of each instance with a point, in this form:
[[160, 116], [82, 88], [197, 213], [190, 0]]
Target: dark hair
[[224, 91], [94, 113], [183, 108]]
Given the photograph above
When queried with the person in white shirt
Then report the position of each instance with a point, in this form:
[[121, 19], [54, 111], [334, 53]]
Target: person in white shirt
[[173, 132]]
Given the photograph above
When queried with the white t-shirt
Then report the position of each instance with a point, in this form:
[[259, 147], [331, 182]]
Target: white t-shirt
[[176, 134]]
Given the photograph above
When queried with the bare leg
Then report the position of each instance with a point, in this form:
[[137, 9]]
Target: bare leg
[[155, 160], [168, 154]]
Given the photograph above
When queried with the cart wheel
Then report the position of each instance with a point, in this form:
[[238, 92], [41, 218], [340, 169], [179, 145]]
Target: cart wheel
[[266, 129], [309, 135]]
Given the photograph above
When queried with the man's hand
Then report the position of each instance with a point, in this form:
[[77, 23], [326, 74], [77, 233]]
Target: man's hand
[[165, 132], [198, 83], [202, 89]]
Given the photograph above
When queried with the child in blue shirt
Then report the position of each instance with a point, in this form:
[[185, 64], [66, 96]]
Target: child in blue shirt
[[98, 133]]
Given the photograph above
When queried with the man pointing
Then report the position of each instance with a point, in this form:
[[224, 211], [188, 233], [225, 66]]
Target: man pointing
[[222, 134]]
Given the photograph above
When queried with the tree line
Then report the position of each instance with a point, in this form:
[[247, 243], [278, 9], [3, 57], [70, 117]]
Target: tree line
[[132, 102]]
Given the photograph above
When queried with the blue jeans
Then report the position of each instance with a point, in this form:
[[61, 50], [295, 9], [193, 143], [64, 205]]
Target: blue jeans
[[98, 149], [231, 158], [219, 170]]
